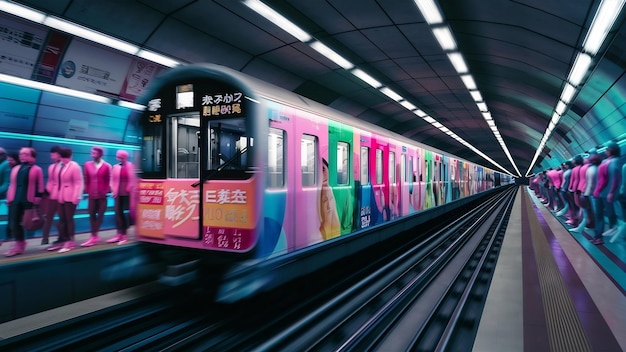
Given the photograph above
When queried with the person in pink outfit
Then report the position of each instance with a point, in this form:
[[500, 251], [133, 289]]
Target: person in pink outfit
[[49, 202], [25, 192], [70, 194], [123, 181], [606, 190], [573, 189], [97, 174]]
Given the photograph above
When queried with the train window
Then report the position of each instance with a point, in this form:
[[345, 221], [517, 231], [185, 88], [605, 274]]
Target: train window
[[184, 161], [343, 155], [275, 158], [152, 156], [228, 147], [392, 167], [411, 175], [365, 165], [379, 166], [308, 160]]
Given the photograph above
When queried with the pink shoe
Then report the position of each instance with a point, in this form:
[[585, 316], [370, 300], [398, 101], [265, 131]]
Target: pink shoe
[[91, 241], [123, 240], [18, 248], [115, 238], [67, 246]]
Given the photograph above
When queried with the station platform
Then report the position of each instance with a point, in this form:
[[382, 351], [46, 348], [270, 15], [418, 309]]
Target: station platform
[[553, 290], [34, 248]]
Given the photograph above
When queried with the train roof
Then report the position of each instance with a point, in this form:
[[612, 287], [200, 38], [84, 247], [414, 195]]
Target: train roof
[[258, 89]]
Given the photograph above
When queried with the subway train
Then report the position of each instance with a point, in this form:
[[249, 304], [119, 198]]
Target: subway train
[[237, 167]]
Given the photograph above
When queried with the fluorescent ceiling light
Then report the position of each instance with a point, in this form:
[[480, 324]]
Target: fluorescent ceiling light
[[53, 89], [420, 113], [601, 24], [429, 119], [127, 104], [580, 68], [458, 62], [158, 58], [331, 54], [408, 105], [560, 108], [366, 78], [476, 95], [445, 38], [468, 80], [555, 118], [491, 123], [90, 34], [22, 11], [482, 107], [430, 11], [437, 124], [487, 115], [568, 93], [278, 19], [391, 94]]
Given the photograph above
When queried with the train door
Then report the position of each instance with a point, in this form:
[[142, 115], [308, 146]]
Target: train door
[[182, 171]]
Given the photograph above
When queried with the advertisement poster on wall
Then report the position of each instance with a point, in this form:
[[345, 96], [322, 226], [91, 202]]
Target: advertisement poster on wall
[[92, 68], [20, 45], [138, 78]]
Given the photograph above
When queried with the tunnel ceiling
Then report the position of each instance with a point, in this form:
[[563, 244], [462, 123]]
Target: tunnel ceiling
[[519, 53]]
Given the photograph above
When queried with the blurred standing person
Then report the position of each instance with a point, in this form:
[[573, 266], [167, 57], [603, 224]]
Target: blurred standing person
[[5, 174], [25, 191], [49, 202], [70, 194], [122, 187], [13, 160], [97, 174]]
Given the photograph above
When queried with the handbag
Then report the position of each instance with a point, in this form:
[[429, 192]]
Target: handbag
[[32, 219]]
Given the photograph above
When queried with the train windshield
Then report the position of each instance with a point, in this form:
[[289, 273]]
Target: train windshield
[[197, 130], [229, 145], [226, 155]]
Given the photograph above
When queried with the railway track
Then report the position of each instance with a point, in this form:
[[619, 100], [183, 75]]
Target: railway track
[[426, 295]]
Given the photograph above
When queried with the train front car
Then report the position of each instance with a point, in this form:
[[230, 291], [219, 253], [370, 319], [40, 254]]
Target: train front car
[[199, 183]]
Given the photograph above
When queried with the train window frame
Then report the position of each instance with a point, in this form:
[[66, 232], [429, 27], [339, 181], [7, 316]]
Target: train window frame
[[365, 166], [276, 177], [379, 166], [343, 163], [309, 160], [392, 167], [403, 174]]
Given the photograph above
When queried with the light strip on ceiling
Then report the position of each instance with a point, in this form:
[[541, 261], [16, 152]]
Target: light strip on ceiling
[[433, 16], [158, 58], [366, 78], [86, 33], [603, 20], [331, 54], [22, 11], [601, 25], [74, 29], [445, 38], [278, 19], [430, 11], [53, 89]]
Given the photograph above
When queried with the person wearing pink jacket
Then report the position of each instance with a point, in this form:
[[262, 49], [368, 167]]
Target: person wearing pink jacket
[[70, 193], [97, 184], [123, 183], [49, 202], [25, 191]]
